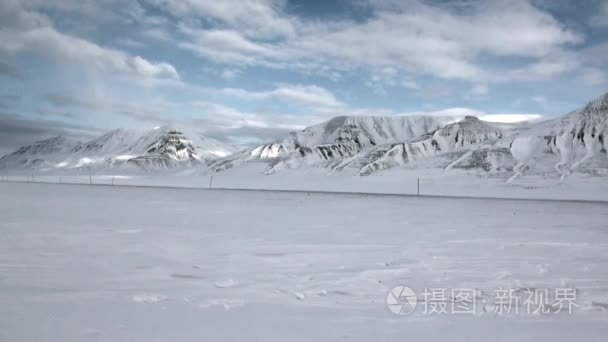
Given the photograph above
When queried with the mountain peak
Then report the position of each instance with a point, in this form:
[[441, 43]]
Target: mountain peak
[[598, 104], [44, 145]]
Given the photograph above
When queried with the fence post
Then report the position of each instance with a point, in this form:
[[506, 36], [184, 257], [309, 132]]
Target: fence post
[[418, 192], [210, 181]]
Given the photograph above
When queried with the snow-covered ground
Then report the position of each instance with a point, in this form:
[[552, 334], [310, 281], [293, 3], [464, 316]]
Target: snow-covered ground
[[85, 263], [579, 186]]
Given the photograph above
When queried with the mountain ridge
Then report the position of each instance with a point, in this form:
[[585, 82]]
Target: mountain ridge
[[162, 147]]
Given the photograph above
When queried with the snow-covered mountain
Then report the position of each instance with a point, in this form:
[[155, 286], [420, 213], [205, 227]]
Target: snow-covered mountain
[[577, 137], [334, 140], [116, 141], [162, 147], [357, 145], [467, 134], [37, 154], [366, 145]]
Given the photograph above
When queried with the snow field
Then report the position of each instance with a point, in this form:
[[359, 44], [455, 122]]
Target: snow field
[[80, 263]]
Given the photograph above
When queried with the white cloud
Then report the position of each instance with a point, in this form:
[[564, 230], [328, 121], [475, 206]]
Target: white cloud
[[392, 47], [406, 37], [450, 43], [458, 113], [80, 15], [223, 122], [143, 67], [227, 117], [307, 95], [226, 46], [61, 48], [546, 68], [254, 18], [384, 77], [510, 118], [29, 32]]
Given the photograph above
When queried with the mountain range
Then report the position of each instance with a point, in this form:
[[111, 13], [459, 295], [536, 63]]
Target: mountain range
[[359, 145], [162, 147], [367, 145]]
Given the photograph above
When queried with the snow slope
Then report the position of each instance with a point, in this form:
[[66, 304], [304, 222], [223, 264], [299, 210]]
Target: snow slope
[[114, 142], [37, 155], [581, 135]]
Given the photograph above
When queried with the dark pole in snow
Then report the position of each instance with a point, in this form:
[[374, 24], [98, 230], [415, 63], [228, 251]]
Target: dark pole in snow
[[210, 181], [418, 192]]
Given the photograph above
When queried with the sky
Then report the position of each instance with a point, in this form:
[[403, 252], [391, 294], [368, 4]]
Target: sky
[[248, 71]]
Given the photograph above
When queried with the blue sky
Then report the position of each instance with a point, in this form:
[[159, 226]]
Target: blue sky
[[250, 70]]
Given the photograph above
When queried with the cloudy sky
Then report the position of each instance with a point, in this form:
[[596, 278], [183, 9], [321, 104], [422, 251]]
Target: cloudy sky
[[250, 70]]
